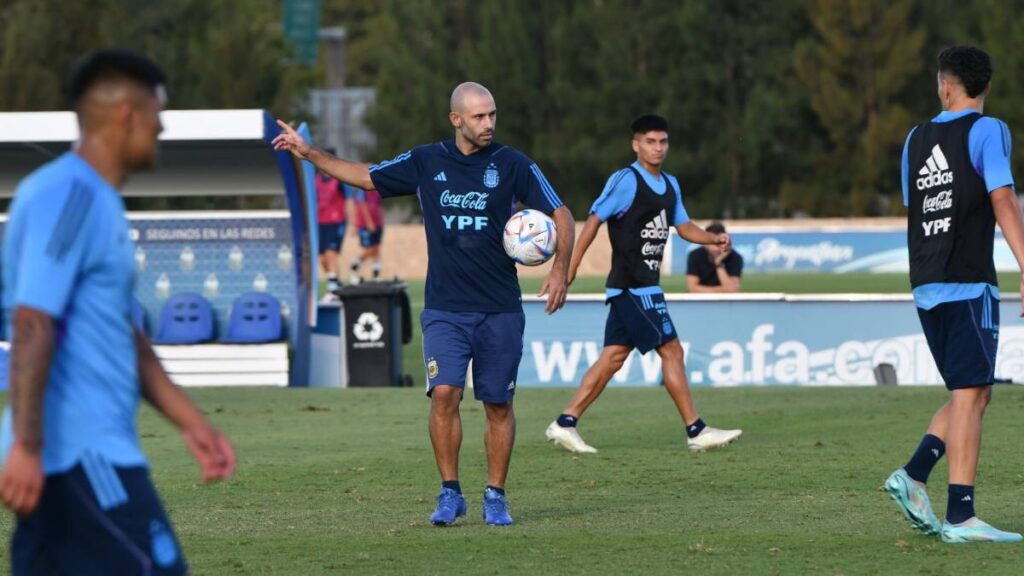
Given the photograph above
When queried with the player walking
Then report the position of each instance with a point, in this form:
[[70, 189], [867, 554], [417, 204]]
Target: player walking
[[960, 187], [467, 188], [639, 203]]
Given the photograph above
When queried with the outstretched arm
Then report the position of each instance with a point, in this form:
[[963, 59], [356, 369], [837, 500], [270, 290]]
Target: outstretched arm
[[557, 283], [31, 353], [692, 233], [354, 173], [1007, 210], [210, 448]]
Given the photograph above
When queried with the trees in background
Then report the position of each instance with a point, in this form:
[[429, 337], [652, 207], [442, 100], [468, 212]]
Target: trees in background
[[783, 108]]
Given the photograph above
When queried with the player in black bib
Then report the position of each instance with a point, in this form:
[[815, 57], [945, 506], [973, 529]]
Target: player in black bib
[[956, 186], [640, 203]]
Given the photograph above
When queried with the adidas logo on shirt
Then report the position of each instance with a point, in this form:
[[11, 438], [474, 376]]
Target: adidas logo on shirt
[[935, 171], [657, 228], [440, 177]]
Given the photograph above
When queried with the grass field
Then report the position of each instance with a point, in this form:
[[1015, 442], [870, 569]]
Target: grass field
[[342, 482]]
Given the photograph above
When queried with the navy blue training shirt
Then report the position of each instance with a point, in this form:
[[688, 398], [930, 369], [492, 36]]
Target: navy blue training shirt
[[466, 201]]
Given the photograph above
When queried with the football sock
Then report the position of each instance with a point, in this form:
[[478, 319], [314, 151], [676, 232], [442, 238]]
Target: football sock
[[960, 505], [453, 484], [696, 428], [332, 282], [567, 421], [927, 455], [496, 489], [376, 269], [356, 264]]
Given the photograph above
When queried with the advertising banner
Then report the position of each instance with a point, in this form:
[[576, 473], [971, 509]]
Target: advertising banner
[[823, 250], [758, 340]]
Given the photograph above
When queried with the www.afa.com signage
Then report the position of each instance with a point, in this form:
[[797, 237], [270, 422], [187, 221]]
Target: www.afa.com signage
[[824, 250], [758, 340]]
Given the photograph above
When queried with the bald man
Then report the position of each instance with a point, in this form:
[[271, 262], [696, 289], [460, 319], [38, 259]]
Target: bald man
[[74, 470], [468, 188]]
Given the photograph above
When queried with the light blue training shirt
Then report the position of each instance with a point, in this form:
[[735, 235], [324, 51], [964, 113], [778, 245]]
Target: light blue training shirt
[[989, 146], [616, 198], [67, 251]]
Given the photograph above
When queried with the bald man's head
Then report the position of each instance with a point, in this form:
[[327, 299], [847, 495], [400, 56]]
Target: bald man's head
[[468, 91], [474, 116]]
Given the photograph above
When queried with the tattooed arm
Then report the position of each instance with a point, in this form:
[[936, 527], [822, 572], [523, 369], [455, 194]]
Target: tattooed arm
[[31, 353]]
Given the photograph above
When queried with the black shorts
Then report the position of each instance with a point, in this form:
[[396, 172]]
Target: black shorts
[[69, 533], [638, 320], [331, 236], [963, 337]]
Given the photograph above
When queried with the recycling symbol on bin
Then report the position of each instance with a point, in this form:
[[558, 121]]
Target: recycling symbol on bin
[[368, 327]]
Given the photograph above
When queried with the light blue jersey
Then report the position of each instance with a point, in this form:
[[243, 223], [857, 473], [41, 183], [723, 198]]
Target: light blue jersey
[[67, 251], [617, 197], [989, 147]]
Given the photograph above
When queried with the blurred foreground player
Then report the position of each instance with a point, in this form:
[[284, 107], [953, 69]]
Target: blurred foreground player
[[956, 185], [74, 469]]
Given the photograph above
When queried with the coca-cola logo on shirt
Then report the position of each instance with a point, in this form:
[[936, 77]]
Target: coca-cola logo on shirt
[[467, 201]]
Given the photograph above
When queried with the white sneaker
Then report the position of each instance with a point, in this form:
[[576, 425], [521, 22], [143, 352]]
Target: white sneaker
[[568, 438], [354, 279], [712, 438], [329, 298]]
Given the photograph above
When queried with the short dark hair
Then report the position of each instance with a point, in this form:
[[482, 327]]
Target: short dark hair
[[649, 123], [716, 227], [971, 65], [104, 63]]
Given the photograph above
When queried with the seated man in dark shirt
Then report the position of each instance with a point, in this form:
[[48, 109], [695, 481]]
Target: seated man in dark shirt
[[712, 269]]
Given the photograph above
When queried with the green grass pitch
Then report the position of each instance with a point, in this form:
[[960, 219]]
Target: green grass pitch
[[342, 482]]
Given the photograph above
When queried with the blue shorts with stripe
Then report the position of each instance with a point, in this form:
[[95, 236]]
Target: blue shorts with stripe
[[368, 239], [331, 236], [640, 321], [71, 532], [493, 341], [963, 337]]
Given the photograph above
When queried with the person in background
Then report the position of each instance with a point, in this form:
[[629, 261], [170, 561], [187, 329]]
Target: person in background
[[714, 267], [370, 220], [331, 196]]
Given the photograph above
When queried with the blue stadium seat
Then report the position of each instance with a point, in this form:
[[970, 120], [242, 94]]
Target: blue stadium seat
[[138, 315], [186, 318], [255, 319]]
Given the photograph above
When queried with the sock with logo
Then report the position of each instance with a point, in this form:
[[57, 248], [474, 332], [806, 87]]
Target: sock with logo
[[692, 430], [356, 265], [376, 269], [452, 484], [960, 505], [496, 489], [927, 455], [567, 421]]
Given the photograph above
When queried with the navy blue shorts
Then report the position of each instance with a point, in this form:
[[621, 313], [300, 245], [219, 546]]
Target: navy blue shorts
[[69, 533], [639, 321], [331, 236], [493, 341], [368, 239], [963, 337]]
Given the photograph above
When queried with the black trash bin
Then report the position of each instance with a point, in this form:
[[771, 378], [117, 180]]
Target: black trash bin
[[377, 322]]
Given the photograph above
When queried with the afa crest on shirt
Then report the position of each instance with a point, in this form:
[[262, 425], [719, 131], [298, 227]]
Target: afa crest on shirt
[[432, 368], [491, 176]]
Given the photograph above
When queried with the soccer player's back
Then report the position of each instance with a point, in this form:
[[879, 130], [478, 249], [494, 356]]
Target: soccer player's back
[[957, 184]]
